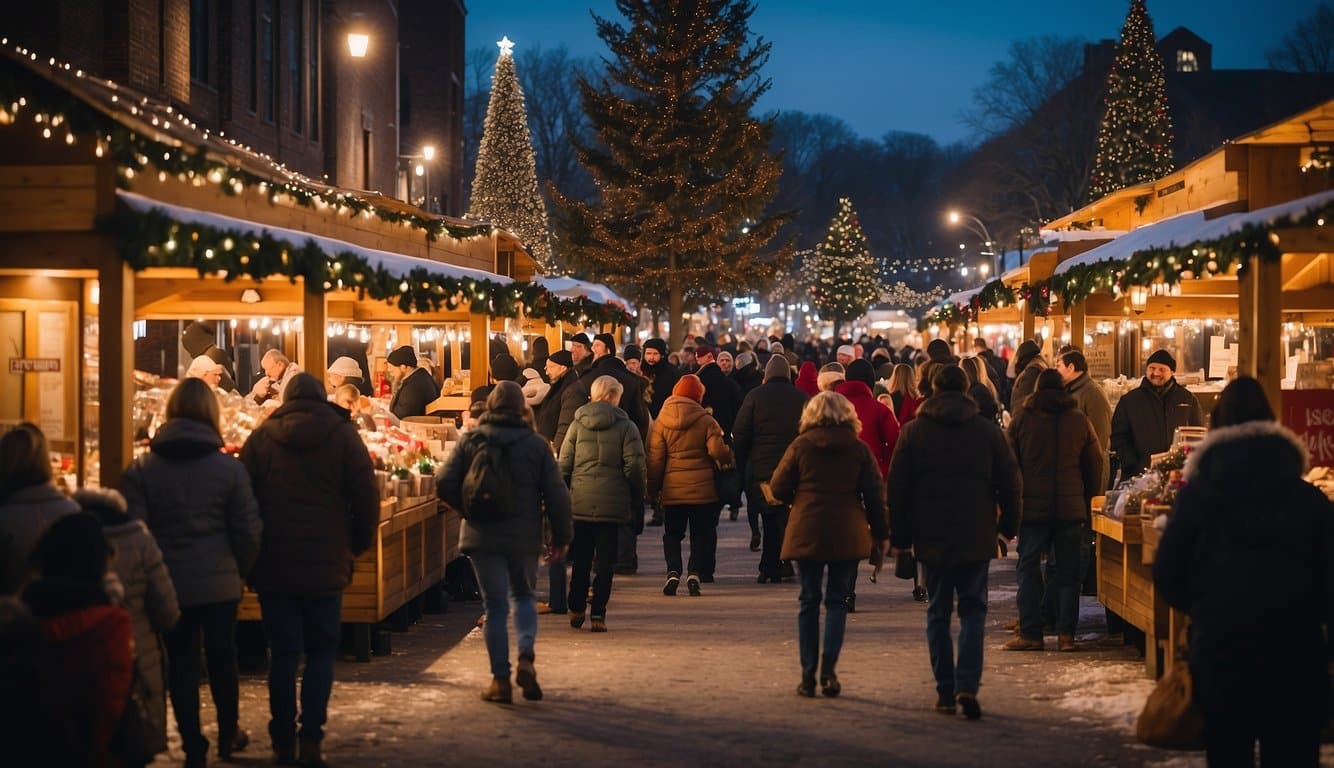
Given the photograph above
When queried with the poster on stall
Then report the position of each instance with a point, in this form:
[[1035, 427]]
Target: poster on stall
[[1101, 357], [51, 344], [1310, 414], [1221, 357]]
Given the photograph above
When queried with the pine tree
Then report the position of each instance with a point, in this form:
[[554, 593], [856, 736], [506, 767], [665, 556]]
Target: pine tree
[[845, 281], [504, 188], [1135, 137], [684, 172]]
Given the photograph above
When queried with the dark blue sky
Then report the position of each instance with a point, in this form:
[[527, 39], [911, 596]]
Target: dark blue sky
[[886, 65]]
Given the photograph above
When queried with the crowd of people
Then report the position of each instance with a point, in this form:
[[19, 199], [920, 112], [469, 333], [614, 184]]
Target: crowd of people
[[838, 452]]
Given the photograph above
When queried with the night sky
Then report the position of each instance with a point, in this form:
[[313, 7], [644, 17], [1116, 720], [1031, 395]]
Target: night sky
[[885, 65]]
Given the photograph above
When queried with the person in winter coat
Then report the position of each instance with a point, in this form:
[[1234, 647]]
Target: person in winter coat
[[415, 389], [540, 351], [765, 426], [1058, 453], [29, 501], [602, 462], [980, 387], [1089, 399], [85, 662], [1247, 554], [535, 388], [1028, 363], [838, 518], [903, 391], [722, 396], [606, 363], [546, 415], [879, 428], [148, 594], [808, 379], [504, 552], [201, 508], [1146, 417], [951, 470], [748, 374], [313, 482], [685, 450], [660, 370]]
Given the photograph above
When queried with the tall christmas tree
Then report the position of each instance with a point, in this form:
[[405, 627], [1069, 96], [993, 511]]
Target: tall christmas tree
[[504, 188], [684, 172], [1135, 138], [845, 281]]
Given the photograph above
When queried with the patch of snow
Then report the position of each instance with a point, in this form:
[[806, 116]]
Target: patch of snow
[[1112, 691]]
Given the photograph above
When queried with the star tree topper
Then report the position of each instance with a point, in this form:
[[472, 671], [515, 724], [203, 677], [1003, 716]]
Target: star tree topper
[[506, 46]]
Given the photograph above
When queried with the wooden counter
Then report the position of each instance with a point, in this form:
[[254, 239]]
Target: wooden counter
[[407, 558], [1125, 550]]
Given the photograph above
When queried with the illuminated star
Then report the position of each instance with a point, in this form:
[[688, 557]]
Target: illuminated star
[[506, 46]]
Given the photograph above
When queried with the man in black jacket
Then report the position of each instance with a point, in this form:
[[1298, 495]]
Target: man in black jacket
[[560, 372], [722, 397], [316, 491], [416, 388], [764, 427], [663, 374], [1146, 417]]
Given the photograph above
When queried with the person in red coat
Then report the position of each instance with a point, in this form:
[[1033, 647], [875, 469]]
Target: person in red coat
[[880, 428], [807, 379], [85, 648]]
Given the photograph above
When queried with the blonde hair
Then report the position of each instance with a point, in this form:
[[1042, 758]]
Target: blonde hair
[[606, 388], [975, 368], [829, 409], [903, 380], [194, 399], [348, 396]]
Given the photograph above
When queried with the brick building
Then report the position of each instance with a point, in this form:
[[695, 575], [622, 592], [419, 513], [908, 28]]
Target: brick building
[[278, 76]]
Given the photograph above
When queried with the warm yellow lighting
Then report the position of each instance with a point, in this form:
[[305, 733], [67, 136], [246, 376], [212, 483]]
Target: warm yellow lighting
[[357, 44], [428, 152], [419, 169], [1139, 298], [954, 217]]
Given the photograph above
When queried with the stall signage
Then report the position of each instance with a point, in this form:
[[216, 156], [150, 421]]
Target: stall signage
[[1310, 414], [1101, 358], [34, 365]]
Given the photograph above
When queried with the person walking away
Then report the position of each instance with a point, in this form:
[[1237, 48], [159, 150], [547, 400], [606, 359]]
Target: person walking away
[[546, 420], [147, 593], [808, 379], [722, 398], [504, 546], [1146, 417], [951, 469], [29, 501], [765, 426], [85, 656], [685, 449], [1028, 363], [1245, 510], [315, 489], [980, 388], [606, 363], [200, 507], [1090, 399], [838, 518], [602, 462], [903, 391], [1058, 453]]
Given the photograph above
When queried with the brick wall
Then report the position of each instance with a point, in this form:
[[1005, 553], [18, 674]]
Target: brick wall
[[360, 95], [431, 35]]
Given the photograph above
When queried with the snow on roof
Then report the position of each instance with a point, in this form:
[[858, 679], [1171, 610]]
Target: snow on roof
[[962, 298], [570, 288], [396, 263], [1076, 235], [1189, 228]]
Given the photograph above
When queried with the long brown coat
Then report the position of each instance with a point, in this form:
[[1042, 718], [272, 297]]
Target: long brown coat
[[837, 496], [1057, 450], [685, 447]]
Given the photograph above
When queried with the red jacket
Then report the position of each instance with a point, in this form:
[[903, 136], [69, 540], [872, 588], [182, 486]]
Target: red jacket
[[808, 379], [87, 662], [880, 430], [908, 409]]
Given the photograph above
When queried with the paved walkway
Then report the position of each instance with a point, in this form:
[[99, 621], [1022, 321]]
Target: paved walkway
[[710, 681]]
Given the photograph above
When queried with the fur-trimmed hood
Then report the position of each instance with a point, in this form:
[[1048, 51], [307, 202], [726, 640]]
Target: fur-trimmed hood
[[1248, 458]]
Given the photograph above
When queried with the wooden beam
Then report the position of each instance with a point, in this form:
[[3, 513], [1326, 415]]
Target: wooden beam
[[1307, 239], [1304, 270], [115, 315], [314, 342], [1317, 299], [1259, 354], [1077, 322], [480, 358]]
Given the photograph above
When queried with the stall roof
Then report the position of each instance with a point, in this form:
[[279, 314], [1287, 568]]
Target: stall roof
[[1191, 228], [571, 288], [395, 263], [961, 298]]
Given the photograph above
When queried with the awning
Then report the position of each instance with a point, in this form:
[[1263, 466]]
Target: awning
[[570, 288], [961, 298], [395, 263]]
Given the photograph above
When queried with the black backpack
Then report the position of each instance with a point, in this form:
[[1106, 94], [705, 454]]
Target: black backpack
[[488, 492]]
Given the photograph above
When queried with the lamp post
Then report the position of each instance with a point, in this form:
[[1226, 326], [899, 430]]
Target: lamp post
[[977, 227], [420, 165]]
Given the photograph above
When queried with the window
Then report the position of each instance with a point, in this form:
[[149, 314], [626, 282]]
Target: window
[[295, 51], [313, 56], [365, 159], [199, 41], [266, 59], [1186, 62]]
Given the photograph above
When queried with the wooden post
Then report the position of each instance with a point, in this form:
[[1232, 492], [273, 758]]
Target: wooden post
[[1077, 325], [480, 360], [115, 318], [1027, 320], [1259, 297], [314, 341], [555, 337]]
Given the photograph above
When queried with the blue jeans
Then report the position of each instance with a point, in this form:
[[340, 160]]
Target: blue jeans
[[502, 578], [942, 582], [297, 624], [1034, 540], [841, 575]]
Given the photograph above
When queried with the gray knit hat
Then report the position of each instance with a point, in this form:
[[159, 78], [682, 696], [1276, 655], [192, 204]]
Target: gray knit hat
[[777, 368]]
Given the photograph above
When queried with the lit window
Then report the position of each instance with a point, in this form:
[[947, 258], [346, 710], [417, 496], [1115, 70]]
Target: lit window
[[1186, 62]]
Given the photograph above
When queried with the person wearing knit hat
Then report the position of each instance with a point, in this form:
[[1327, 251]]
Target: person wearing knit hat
[[722, 398], [726, 361], [777, 369], [831, 375], [685, 449], [633, 356], [860, 370], [415, 388], [342, 371], [1146, 417], [747, 373], [581, 348], [206, 368], [939, 351], [663, 375], [603, 344], [1028, 363], [845, 355]]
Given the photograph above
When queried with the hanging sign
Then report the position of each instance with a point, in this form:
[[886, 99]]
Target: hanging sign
[[34, 365], [1310, 414]]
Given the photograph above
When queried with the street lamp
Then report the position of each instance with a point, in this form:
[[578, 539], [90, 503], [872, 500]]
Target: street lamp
[[422, 168], [978, 228], [357, 44]]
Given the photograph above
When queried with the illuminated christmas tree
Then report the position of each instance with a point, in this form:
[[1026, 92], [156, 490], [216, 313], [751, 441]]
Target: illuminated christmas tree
[[1135, 138], [845, 281], [504, 188], [684, 172]]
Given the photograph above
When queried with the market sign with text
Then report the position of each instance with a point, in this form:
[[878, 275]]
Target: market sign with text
[[1310, 413], [34, 365]]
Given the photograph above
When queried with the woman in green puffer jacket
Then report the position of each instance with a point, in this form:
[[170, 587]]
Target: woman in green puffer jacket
[[602, 461]]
